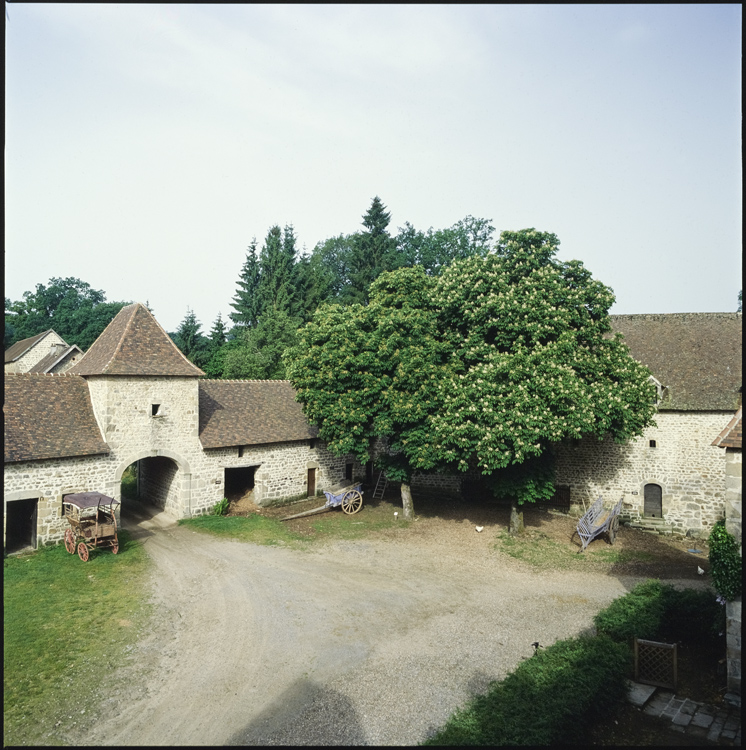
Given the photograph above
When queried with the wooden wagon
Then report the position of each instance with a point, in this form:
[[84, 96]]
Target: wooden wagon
[[93, 523], [348, 496], [597, 521]]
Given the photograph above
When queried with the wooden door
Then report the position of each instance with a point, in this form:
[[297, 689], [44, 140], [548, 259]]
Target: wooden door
[[311, 482], [653, 501]]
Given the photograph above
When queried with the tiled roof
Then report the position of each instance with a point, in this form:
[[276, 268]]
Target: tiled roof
[[49, 416], [18, 349], [46, 364], [695, 356], [135, 344], [250, 412], [732, 435]]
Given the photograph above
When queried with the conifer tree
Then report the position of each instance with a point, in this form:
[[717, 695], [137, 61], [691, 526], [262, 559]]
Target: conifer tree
[[276, 261], [246, 302], [373, 252]]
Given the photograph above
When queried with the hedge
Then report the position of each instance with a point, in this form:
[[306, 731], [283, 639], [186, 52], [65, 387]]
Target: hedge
[[548, 699]]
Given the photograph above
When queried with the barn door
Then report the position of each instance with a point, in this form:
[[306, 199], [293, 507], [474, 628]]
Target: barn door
[[311, 482], [653, 501]]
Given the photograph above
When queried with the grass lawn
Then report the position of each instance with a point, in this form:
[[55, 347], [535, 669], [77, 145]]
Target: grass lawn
[[539, 550], [67, 624], [266, 529]]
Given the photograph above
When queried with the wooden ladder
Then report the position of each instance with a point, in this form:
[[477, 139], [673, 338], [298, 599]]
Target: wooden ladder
[[380, 489]]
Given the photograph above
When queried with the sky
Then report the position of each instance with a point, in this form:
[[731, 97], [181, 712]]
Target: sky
[[146, 145]]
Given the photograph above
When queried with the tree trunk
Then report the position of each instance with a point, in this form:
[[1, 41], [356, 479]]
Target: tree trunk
[[406, 502], [516, 520]]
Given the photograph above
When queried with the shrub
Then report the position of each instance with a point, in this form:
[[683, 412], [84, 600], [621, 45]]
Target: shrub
[[690, 615], [635, 615], [657, 611], [221, 508], [548, 699], [725, 562]]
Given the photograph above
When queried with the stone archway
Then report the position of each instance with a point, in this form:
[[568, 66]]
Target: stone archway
[[164, 481]]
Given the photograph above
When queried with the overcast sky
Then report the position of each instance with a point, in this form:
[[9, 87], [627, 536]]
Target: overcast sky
[[147, 144]]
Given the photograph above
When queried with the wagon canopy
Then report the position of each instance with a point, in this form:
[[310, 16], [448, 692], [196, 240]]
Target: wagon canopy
[[90, 500]]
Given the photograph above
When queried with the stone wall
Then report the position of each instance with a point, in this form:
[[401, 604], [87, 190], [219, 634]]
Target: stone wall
[[48, 481], [157, 480], [281, 473], [734, 525], [683, 461]]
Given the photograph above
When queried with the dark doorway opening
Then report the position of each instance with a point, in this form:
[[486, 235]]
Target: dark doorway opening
[[20, 524], [311, 484], [653, 504], [239, 482]]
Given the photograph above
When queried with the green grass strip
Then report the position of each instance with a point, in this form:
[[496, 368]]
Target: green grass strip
[[66, 625]]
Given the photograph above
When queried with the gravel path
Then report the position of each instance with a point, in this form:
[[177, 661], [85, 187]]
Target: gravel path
[[355, 643]]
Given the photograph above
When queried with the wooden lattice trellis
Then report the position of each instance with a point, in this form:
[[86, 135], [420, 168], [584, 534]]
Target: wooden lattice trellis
[[656, 663]]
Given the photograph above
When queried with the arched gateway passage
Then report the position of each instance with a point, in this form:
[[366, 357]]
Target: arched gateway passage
[[162, 482]]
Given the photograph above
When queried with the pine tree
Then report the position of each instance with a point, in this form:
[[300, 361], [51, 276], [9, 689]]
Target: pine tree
[[246, 302], [190, 340], [374, 252], [218, 334], [276, 262]]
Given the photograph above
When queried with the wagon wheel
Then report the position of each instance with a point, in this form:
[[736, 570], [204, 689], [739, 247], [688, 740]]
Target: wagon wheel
[[613, 528], [352, 502], [70, 541], [83, 552], [115, 548]]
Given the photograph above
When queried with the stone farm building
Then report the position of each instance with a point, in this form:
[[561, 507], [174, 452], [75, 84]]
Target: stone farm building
[[44, 353], [134, 398], [672, 477]]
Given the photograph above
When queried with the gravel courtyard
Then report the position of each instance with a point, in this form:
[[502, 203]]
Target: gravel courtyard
[[354, 642]]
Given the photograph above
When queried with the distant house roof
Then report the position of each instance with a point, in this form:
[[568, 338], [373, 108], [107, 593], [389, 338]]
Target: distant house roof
[[49, 416], [135, 344], [695, 356], [250, 412], [54, 358], [732, 435], [20, 348]]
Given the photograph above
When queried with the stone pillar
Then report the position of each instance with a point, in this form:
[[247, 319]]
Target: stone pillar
[[733, 523]]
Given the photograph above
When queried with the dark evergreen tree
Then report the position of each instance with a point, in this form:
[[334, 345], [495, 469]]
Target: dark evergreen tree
[[246, 302], [374, 251], [276, 263], [188, 337]]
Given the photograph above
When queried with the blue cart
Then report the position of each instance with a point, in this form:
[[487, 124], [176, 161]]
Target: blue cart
[[348, 495]]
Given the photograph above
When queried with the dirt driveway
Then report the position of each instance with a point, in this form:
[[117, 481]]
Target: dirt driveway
[[356, 642]]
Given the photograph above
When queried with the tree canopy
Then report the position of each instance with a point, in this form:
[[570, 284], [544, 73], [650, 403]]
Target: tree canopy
[[71, 307], [481, 369]]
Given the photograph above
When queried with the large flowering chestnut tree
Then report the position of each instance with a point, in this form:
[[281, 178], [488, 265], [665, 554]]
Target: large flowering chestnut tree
[[481, 369]]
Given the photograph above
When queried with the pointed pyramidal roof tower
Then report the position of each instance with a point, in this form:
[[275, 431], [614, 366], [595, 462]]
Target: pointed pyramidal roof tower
[[135, 344]]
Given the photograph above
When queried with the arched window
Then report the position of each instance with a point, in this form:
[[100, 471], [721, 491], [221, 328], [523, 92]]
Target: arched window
[[653, 501]]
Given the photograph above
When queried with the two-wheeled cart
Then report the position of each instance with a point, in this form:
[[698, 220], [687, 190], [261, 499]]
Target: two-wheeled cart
[[93, 523], [347, 495]]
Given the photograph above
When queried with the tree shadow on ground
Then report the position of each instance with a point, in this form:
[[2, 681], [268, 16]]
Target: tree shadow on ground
[[307, 713]]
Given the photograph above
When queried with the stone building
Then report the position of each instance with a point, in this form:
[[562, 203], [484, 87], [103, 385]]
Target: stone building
[[134, 398], [44, 353], [673, 477]]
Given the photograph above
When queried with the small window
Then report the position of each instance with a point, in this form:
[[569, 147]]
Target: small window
[[348, 471], [652, 444], [154, 409], [240, 451]]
